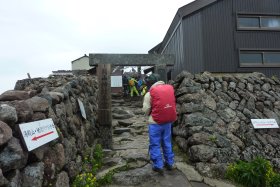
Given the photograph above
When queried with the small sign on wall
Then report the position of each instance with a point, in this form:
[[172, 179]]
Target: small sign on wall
[[116, 81], [38, 133], [82, 109], [264, 123]]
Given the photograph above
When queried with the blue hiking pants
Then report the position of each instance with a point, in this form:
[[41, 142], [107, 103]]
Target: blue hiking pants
[[160, 137]]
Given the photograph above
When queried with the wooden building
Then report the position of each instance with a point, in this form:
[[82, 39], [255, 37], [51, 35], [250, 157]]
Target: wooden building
[[225, 36], [81, 64]]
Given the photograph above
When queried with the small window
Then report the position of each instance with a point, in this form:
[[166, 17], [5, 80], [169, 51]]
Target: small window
[[259, 58], [270, 22], [248, 22], [272, 58], [255, 22], [250, 58]]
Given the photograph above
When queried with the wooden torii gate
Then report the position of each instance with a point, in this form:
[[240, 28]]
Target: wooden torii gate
[[103, 64]]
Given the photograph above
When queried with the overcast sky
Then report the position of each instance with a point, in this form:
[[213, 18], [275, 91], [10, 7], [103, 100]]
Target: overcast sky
[[40, 36]]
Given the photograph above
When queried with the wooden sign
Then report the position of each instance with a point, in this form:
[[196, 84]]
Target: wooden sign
[[264, 123], [82, 109], [38, 133]]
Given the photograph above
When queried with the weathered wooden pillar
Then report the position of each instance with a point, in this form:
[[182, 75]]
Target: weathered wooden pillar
[[161, 69], [104, 104]]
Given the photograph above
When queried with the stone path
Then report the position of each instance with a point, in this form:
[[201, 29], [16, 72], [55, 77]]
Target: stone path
[[130, 159]]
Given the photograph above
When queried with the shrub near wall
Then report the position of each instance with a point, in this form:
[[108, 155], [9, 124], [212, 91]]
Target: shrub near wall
[[214, 126], [58, 162]]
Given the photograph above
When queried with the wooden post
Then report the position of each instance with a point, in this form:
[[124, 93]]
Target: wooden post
[[28, 75], [161, 69], [104, 104]]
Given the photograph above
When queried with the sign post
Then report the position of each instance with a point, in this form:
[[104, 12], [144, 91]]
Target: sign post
[[38, 133], [116, 81], [264, 123], [82, 109]]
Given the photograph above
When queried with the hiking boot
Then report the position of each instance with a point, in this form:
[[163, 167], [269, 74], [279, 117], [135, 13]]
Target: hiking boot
[[158, 170], [169, 167]]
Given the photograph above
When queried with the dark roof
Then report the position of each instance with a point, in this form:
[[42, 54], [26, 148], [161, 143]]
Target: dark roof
[[181, 13], [80, 58], [155, 49]]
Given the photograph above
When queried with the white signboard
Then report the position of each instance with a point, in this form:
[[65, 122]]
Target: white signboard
[[116, 81], [264, 123], [38, 133], [82, 109]]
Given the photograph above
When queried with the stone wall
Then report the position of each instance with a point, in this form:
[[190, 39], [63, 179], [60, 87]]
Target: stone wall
[[214, 126], [55, 163]]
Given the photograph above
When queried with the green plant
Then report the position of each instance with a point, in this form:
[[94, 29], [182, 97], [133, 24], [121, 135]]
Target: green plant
[[107, 179], [275, 180], [85, 180], [92, 162], [257, 173], [213, 138]]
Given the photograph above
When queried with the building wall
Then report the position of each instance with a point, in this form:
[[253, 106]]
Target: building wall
[[81, 64], [218, 42], [175, 46], [222, 41], [193, 44], [257, 39], [208, 40]]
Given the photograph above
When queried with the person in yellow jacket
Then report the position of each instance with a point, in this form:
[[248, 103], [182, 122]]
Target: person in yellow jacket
[[144, 89], [132, 84]]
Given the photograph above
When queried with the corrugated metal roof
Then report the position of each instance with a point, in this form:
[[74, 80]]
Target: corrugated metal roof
[[181, 13]]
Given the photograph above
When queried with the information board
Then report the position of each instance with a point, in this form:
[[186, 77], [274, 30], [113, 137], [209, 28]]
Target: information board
[[38, 133], [264, 123], [82, 109], [116, 81]]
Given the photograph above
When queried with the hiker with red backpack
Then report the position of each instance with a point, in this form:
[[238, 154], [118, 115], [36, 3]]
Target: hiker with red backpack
[[159, 103]]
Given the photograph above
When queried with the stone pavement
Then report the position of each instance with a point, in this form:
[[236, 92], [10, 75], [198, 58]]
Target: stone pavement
[[129, 157]]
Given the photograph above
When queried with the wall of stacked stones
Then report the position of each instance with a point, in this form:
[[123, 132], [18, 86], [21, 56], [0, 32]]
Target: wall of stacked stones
[[55, 163], [214, 123]]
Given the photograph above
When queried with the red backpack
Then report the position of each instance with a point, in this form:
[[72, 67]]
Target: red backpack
[[163, 103]]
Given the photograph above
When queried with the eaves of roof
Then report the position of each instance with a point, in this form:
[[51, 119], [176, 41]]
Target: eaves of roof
[[181, 13], [79, 58]]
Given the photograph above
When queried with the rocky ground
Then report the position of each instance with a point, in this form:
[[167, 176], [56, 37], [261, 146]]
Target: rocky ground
[[129, 157]]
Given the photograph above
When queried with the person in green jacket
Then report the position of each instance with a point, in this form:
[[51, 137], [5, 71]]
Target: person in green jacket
[[132, 84]]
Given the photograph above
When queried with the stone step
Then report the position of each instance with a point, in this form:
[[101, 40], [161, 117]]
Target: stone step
[[102, 173], [125, 123], [122, 116], [121, 130], [120, 101]]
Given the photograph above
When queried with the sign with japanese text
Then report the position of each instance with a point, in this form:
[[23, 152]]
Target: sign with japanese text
[[82, 109], [116, 81], [264, 123], [38, 133]]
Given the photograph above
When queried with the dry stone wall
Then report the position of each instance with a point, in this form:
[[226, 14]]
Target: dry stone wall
[[214, 126], [55, 163]]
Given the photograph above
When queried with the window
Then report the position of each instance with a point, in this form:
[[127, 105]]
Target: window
[[248, 22], [270, 22], [258, 58], [254, 22]]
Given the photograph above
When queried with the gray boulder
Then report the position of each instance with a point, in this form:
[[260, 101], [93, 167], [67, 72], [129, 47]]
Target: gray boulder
[[38, 104], [62, 180], [5, 133], [11, 95], [24, 111], [32, 175], [12, 156], [8, 114], [201, 153]]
